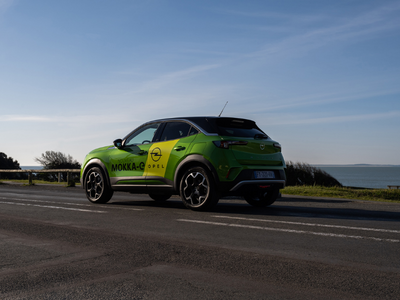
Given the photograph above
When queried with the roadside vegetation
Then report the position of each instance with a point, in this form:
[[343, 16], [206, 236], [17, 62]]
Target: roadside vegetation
[[304, 174], [305, 180], [344, 192], [50, 160], [38, 181]]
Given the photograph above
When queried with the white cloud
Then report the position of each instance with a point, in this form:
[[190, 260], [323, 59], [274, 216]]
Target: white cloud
[[298, 119], [24, 118], [366, 25]]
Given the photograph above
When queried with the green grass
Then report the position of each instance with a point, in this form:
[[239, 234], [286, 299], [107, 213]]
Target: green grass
[[26, 182], [344, 192]]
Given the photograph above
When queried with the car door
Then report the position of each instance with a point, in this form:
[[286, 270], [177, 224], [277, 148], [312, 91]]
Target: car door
[[166, 154], [128, 163]]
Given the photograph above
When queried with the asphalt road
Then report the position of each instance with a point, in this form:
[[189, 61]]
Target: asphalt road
[[54, 244]]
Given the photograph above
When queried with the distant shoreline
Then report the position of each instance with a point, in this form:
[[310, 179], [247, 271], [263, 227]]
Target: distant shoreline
[[356, 165]]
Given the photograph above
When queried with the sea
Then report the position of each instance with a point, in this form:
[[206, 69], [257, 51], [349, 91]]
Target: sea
[[31, 167], [365, 176]]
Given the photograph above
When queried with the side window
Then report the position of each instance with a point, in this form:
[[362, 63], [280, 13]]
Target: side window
[[175, 130], [193, 131], [143, 135]]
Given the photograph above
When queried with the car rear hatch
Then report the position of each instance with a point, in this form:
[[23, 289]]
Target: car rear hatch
[[248, 143]]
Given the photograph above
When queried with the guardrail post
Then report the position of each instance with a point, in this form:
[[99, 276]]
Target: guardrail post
[[59, 177], [67, 178], [30, 178]]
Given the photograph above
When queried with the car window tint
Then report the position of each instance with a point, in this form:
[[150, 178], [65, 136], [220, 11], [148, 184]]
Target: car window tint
[[193, 131], [238, 127], [175, 130], [143, 135]]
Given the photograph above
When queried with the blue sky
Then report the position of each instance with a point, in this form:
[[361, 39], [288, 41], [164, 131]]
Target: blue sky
[[320, 77]]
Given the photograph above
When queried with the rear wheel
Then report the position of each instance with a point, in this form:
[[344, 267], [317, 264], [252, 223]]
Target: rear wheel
[[197, 189], [96, 188], [262, 199], [160, 197]]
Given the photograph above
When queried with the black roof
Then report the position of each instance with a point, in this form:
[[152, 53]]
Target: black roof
[[210, 124]]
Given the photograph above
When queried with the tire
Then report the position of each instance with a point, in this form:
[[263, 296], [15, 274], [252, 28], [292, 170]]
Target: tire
[[160, 197], [96, 187], [197, 189], [262, 199]]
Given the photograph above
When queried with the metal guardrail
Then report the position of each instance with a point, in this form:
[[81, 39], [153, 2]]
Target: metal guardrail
[[59, 171], [394, 187]]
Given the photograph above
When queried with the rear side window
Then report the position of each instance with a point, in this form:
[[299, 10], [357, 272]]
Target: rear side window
[[239, 128], [175, 130]]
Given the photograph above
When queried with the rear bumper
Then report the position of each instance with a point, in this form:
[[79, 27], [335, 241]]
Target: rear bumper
[[246, 184]]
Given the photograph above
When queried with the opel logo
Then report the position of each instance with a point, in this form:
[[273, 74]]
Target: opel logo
[[156, 154], [262, 146]]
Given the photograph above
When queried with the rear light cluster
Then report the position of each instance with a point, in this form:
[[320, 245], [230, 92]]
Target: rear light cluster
[[276, 145], [226, 144]]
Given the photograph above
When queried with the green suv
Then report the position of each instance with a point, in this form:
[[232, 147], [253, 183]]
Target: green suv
[[199, 158]]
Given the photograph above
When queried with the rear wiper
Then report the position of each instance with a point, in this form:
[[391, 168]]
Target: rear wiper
[[261, 136]]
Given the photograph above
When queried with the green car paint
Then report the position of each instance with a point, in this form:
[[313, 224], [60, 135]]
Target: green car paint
[[226, 164]]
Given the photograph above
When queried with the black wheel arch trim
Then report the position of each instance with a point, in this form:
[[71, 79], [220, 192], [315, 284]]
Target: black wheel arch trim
[[192, 159], [91, 163]]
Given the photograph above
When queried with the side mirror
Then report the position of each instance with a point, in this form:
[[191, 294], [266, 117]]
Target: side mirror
[[118, 143]]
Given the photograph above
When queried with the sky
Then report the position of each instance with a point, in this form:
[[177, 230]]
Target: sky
[[320, 77]]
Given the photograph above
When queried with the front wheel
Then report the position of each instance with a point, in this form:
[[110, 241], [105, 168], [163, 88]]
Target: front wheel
[[197, 189], [96, 188], [262, 199]]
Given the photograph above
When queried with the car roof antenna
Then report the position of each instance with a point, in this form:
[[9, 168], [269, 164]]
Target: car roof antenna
[[223, 109]]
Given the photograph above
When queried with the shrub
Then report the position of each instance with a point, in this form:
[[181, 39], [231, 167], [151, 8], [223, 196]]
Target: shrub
[[304, 174]]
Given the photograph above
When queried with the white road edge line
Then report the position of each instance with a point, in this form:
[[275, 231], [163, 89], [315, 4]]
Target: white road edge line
[[309, 224], [290, 230], [55, 207], [67, 203]]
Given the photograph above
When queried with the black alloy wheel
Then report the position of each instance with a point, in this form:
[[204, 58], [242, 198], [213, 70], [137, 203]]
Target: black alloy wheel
[[197, 189], [96, 188]]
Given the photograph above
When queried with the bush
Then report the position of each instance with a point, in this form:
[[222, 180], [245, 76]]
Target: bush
[[8, 163], [304, 174], [57, 160]]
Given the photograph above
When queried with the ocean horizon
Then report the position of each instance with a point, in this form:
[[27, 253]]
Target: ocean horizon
[[364, 176]]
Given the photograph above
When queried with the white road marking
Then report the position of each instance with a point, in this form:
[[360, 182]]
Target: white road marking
[[54, 207], [67, 203], [310, 224], [289, 230]]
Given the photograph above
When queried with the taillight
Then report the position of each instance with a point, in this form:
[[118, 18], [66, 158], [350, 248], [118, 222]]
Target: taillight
[[276, 145], [226, 144]]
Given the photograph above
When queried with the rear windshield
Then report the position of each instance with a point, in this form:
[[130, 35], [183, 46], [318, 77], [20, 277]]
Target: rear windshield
[[238, 127], [229, 126]]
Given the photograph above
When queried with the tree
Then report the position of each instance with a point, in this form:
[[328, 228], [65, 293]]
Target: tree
[[57, 160], [8, 163]]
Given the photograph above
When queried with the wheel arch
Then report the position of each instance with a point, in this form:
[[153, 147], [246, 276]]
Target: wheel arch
[[95, 162], [191, 161]]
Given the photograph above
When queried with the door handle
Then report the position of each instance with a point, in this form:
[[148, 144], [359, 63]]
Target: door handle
[[142, 152], [179, 148]]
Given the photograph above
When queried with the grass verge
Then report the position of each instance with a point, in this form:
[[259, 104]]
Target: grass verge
[[344, 192], [26, 182]]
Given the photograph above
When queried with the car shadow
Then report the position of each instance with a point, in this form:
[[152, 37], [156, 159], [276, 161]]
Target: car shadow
[[285, 207], [291, 209]]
